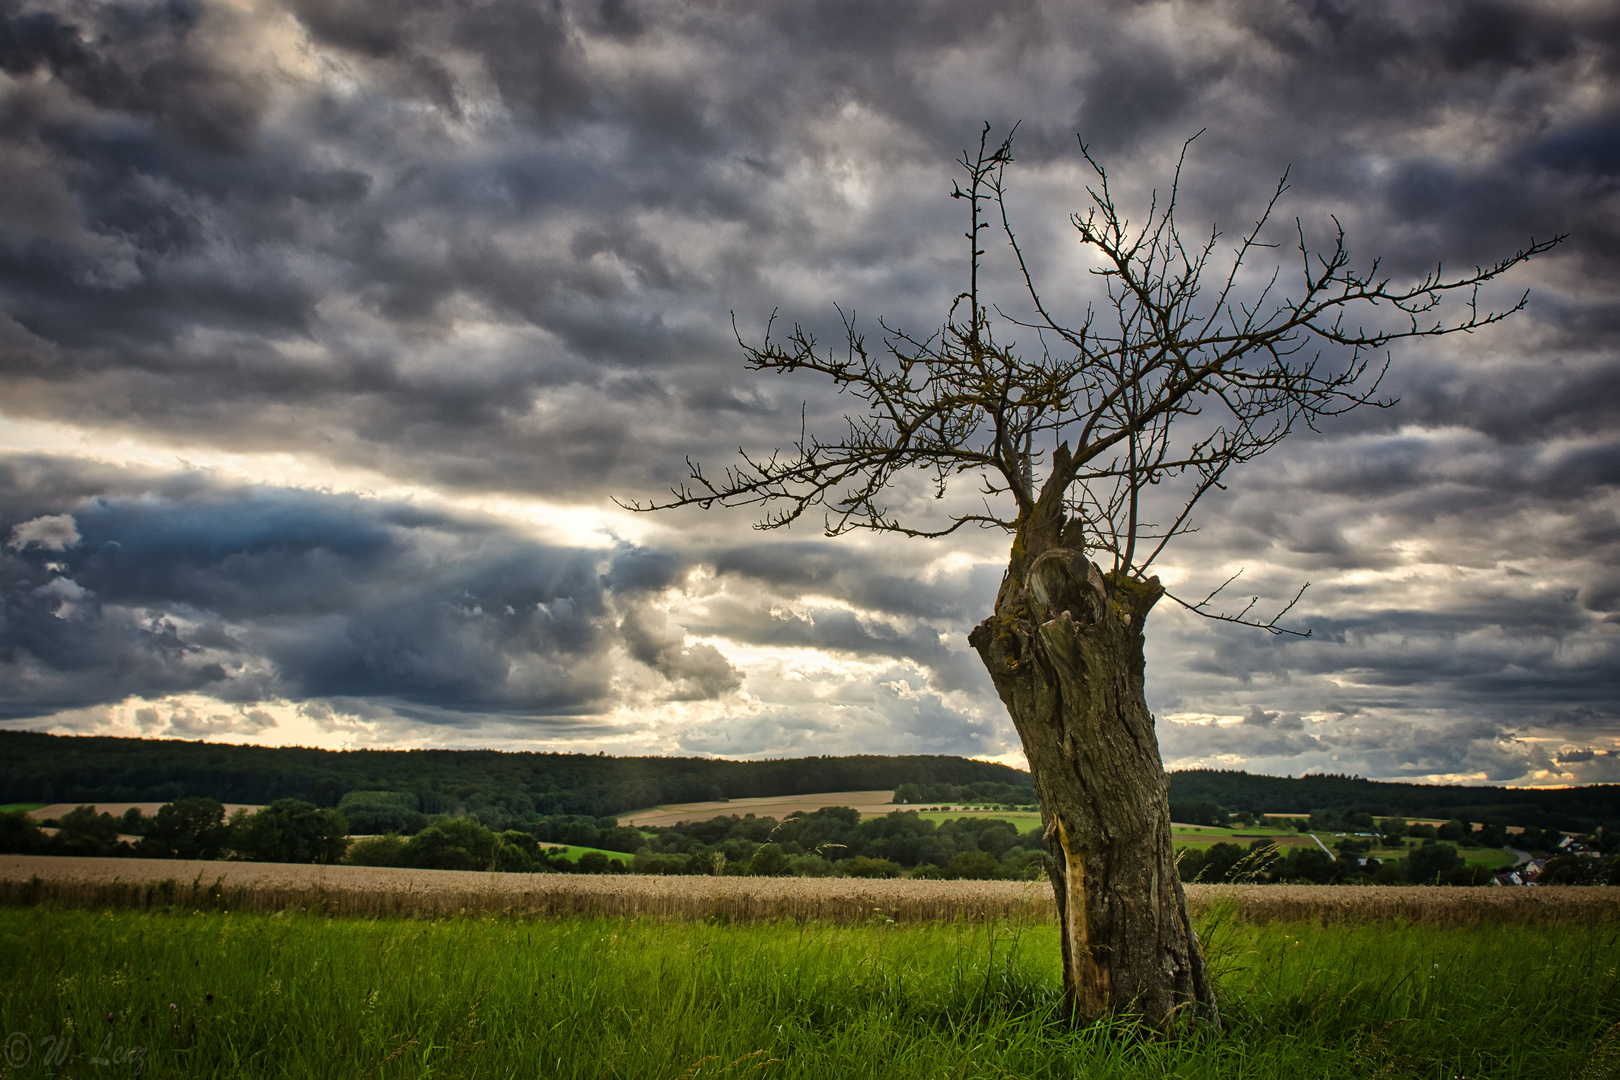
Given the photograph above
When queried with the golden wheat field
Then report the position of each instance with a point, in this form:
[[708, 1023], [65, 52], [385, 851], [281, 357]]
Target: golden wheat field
[[366, 890]]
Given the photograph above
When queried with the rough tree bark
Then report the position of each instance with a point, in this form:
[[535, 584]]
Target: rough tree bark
[[1064, 649]]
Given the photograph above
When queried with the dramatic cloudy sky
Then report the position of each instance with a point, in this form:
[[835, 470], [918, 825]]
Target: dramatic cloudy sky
[[329, 329]]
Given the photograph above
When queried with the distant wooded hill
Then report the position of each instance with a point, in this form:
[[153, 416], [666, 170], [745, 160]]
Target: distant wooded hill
[[1578, 808], [82, 769], [59, 768]]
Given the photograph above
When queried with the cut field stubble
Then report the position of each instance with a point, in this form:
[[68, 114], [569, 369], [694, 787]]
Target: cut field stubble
[[378, 891]]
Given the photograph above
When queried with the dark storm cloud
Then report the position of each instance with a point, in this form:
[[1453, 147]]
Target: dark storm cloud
[[146, 60], [254, 592], [873, 717], [601, 182], [301, 260], [116, 583], [889, 608], [832, 569], [698, 671], [416, 625], [1467, 584], [493, 247]]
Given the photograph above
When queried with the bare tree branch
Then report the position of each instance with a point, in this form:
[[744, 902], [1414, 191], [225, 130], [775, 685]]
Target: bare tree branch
[[1103, 411], [1271, 625]]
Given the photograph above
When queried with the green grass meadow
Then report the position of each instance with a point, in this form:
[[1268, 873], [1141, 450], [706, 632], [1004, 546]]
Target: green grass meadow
[[574, 851], [212, 994], [1205, 836], [1020, 819]]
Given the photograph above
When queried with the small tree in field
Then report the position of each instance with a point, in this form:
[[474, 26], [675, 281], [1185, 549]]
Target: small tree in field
[[1173, 376]]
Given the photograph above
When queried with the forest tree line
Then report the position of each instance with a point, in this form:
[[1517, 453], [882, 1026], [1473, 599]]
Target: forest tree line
[[507, 789], [1020, 795], [42, 768], [1577, 809], [288, 830], [832, 840], [827, 842]]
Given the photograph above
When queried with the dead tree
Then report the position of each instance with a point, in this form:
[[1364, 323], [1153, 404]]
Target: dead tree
[[1174, 374]]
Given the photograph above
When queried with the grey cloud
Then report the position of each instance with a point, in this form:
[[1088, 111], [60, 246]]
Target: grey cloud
[[151, 59], [254, 592], [495, 247], [1258, 717], [697, 672], [609, 277], [888, 716], [184, 584], [831, 569], [1136, 90], [757, 620], [1371, 743], [189, 723], [638, 570], [1602, 594], [1592, 149], [899, 612], [52, 532], [1551, 392]]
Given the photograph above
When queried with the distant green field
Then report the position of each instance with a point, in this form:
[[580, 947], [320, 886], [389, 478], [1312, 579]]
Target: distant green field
[[1494, 858], [1023, 819], [1201, 837], [574, 851], [203, 994], [6, 808], [1491, 858], [1223, 832]]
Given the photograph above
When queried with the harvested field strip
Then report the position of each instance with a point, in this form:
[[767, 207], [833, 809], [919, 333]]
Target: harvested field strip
[[117, 809], [373, 891], [869, 803]]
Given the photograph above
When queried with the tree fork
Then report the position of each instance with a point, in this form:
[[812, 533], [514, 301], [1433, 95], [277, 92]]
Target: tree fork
[[1064, 650]]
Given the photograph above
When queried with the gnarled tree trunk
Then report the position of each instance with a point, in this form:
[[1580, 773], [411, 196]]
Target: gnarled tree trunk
[[1064, 649]]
